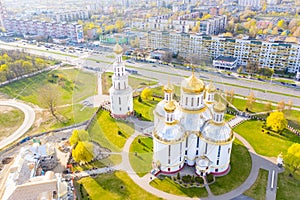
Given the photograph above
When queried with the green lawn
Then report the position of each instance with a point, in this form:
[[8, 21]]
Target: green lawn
[[284, 81], [133, 81], [10, 120], [266, 144], [228, 117], [240, 104], [113, 159], [240, 169], [159, 91], [105, 131], [141, 162], [72, 86], [145, 107], [169, 186], [258, 189], [117, 185], [287, 187]]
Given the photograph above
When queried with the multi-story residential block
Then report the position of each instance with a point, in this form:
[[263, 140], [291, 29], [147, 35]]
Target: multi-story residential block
[[71, 16], [183, 23], [270, 53], [249, 3], [73, 31]]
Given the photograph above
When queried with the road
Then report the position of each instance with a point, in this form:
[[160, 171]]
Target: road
[[262, 90], [27, 123]]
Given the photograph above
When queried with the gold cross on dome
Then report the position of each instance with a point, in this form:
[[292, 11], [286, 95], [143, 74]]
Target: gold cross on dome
[[193, 68]]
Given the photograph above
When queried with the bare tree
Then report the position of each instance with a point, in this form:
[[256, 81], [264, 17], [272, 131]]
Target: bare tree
[[49, 97], [250, 100]]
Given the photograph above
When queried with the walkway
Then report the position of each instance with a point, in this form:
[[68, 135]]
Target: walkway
[[27, 123], [257, 163]]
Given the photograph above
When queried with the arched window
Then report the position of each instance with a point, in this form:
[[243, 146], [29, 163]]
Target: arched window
[[120, 100]]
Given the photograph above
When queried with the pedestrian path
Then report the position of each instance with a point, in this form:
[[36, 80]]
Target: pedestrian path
[[236, 121]]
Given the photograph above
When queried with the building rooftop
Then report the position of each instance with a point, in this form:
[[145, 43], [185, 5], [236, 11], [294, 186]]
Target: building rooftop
[[226, 58]]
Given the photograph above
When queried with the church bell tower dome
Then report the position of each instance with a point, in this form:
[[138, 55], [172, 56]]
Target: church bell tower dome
[[118, 49], [192, 85]]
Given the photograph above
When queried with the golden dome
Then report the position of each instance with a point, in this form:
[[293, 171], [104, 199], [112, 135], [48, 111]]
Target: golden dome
[[192, 85], [211, 87], [170, 106], [169, 88], [219, 107], [118, 49]]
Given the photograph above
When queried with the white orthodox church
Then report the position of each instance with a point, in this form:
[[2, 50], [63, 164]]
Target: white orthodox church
[[120, 93], [191, 131]]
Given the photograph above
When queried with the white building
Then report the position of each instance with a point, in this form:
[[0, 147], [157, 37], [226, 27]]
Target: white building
[[225, 62], [249, 3], [192, 131], [120, 93]]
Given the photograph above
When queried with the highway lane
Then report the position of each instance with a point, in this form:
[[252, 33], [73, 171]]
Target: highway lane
[[27, 123], [175, 75]]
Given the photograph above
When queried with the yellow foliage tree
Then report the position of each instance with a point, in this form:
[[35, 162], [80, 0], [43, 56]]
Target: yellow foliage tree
[[146, 93], [280, 23], [292, 158], [276, 121], [77, 136], [83, 152]]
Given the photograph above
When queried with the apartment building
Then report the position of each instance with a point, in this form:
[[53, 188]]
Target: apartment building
[[249, 3], [70, 16], [271, 53], [73, 31], [184, 24]]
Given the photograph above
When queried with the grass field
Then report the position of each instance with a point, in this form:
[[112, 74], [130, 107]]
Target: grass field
[[257, 107], [141, 154], [240, 166], [169, 186], [72, 86], [266, 144], [117, 185], [105, 132], [145, 107], [258, 189], [133, 81], [10, 120], [287, 187]]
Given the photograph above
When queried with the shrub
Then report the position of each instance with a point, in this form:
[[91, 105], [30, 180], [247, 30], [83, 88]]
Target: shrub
[[178, 176], [186, 179], [210, 178], [199, 180], [140, 99]]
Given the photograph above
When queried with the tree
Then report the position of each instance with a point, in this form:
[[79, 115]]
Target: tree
[[78, 135], [83, 152], [146, 93], [290, 105], [250, 100], [266, 71], [292, 158], [240, 69], [280, 106], [167, 57], [280, 23], [49, 97], [119, 25], [276, 121], [252, 67]]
